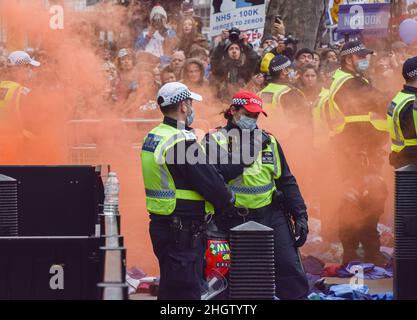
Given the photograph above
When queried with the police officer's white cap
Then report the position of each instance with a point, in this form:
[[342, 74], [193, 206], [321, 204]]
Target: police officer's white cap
[[18, 58], [175, 92]]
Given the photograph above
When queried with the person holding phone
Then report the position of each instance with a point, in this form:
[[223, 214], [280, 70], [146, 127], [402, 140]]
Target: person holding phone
[[233, 63], [278, 28]]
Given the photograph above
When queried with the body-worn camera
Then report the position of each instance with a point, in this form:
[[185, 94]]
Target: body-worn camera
[[234, 35]]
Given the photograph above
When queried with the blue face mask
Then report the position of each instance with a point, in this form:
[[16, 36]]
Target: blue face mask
[[363, 65], [190, 118], [246, 123]]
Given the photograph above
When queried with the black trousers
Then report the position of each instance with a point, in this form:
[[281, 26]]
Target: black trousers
[[291, 281], [359, 156], [180, 262], [359, 226]]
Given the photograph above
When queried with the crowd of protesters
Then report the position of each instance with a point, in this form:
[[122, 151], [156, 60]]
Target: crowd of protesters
[[164, 43]]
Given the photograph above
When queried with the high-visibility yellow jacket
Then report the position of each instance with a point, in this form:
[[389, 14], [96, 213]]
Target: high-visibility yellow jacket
[[337, 120], [10, 93], [399, 142], [161, 192], [254, 189]]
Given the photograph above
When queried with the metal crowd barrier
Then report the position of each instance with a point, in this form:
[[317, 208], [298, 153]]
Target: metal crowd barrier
[[114, 285], [84, 147]]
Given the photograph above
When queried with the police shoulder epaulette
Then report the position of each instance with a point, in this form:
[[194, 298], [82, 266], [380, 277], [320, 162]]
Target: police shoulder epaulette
[[270, 134]]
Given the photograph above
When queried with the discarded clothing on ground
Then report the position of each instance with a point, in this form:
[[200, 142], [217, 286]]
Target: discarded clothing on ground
[[359, 269], [138, 282], [313, 279], [349, 292], [331, 271], [386, 235], [325, 251], [313, 265], [364, 271]]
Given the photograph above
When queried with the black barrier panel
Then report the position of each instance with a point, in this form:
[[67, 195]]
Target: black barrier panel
[[405, 275], [50, 268], [57, 200], [252, 271], [8, 207]]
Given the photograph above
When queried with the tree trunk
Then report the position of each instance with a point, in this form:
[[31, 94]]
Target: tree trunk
[[303, 19]]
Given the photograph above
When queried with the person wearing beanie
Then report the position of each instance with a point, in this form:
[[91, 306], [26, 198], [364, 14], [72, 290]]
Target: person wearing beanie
[[402, 119], [268, 45], [269, 41], [157, 13], [304, 57], [358, 126], [263, 186], [156, 39]]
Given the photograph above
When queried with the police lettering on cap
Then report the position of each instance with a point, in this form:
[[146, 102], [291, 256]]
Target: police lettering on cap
[[248, 100], [280, 62], [175, 92], [410, 69]]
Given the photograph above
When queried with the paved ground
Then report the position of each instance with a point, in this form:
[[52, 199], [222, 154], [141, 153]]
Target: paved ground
[[141, 296], [375, 286]]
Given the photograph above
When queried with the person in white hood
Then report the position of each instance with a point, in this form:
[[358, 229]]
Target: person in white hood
[[152, 40]]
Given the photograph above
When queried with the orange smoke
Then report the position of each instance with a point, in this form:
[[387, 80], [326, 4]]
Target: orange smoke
[[70, 85]]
